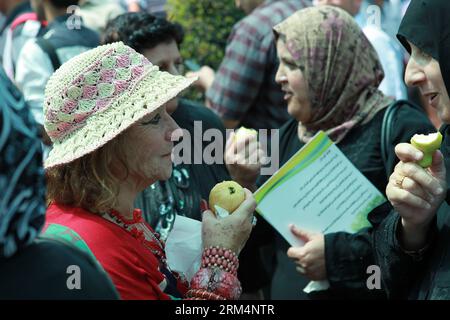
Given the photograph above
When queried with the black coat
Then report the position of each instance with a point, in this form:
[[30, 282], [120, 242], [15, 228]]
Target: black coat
[[427, 26], [42, 271], [416, 277]]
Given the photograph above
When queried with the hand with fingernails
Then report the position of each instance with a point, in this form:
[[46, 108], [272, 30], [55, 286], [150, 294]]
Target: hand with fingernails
[[231, 232], [310, 258], [243, 158], [416, 193], [205, 76]]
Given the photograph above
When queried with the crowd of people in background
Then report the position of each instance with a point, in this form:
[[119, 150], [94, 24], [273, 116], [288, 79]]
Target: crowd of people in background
[[91, 96]]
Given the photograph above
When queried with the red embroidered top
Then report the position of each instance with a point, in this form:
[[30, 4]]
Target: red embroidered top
[[133, 258]]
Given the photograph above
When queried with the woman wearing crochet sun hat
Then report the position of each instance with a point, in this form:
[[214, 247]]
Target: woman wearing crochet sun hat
[[105, 113]]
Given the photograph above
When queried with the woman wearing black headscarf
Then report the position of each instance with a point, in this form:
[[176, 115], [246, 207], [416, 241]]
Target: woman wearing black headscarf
[[413, 247], [33, 268]]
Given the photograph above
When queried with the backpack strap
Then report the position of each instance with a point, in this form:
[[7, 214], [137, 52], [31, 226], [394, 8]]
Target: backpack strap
[[50, 50], [387, 127], [8, 63], [22, 19]]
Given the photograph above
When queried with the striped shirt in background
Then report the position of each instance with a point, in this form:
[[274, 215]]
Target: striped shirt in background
[[244, 88]]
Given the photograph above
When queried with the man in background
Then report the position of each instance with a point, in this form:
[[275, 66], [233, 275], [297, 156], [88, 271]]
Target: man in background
[[64, 37], [243, 91]]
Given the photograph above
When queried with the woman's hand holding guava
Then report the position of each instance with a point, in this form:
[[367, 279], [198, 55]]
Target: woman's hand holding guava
[[416, 193], [231, 232], [243, 157]]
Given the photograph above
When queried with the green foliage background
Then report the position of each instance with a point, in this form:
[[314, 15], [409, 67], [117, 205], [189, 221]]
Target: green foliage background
[[207, 25]]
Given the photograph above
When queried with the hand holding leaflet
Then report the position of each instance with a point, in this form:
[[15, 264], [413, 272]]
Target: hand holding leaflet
[[318, 190]]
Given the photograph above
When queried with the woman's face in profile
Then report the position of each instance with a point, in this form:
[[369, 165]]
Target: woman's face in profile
[[293, 84], [424, 72], [148, 144]]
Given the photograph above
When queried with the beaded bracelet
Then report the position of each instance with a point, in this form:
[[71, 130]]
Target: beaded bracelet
[[198, 294], [224, 259], [217, 281]]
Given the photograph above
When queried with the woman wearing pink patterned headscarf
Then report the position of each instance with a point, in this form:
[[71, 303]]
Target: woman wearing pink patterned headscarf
[[341, 71]]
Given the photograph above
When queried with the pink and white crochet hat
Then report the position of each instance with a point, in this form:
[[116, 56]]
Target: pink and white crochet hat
[[98, 94]]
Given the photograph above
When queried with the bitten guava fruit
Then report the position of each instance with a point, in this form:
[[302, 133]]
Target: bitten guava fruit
[[243, 132], [428, 144], [227, 195]]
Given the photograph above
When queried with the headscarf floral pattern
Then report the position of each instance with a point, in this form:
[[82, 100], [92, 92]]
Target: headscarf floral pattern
[[341, 68]]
